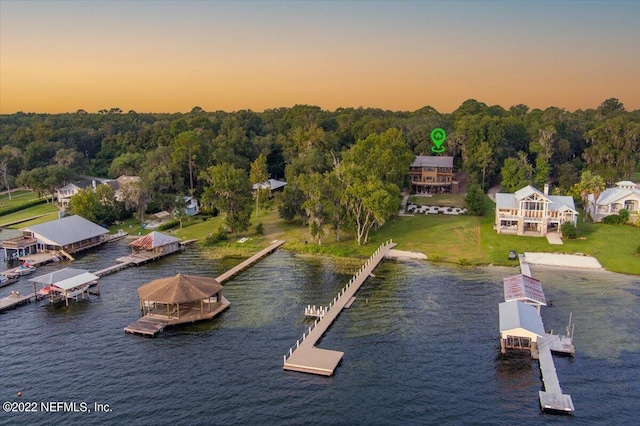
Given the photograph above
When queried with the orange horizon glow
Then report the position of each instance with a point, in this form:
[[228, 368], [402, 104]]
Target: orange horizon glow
[[171, 57]]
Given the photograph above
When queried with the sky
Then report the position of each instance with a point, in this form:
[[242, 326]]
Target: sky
[[164, 56]]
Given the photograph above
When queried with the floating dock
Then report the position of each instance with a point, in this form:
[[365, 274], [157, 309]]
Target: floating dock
[[552, 399], [306, 357]]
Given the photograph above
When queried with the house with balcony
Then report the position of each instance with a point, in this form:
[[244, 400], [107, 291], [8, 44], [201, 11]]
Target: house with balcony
[[625, 195], [430, 174], [531, 212]]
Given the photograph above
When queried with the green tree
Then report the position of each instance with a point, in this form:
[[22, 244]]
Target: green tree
[[6, 154], [515, 173], [186, 147], [228, 190], [475, 201], [590, 183], [135, 196], [86, 204], [313, 186], [257, 176], [614, 149], [128, 164]]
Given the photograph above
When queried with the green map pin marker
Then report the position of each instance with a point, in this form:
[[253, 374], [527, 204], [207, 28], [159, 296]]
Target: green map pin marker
[[438, 136]]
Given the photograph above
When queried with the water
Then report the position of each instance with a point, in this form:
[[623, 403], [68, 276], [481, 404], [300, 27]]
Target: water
[[421, 347]]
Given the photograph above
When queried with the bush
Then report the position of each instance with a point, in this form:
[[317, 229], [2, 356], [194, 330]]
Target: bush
[[612, 219], [569, 230], [624, 215], [220, 235], [260, 229], [169, 225], [18, 207]]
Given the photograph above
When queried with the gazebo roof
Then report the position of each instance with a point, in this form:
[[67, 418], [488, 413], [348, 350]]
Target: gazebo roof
[[179, 289], [153, 240]]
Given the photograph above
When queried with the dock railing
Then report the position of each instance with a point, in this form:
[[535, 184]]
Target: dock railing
[[321, 312]]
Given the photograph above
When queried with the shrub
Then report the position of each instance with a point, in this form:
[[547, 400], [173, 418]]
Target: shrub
[[569, 230], [624, 215], [260, 228], [214, 238], [612, 219], [174, 223], [18, 207], [464, 261]]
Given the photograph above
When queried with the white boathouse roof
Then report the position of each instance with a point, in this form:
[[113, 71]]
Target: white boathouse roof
[[520, 320], [65, 231]]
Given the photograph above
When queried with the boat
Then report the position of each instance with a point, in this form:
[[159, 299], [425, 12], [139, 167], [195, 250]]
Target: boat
[[5, 280], [25, 269]]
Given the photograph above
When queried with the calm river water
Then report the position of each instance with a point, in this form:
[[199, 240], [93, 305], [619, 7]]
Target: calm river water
[[421, 347]]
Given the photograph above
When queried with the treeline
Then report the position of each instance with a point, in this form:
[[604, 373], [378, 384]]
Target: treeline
[[312, 148]]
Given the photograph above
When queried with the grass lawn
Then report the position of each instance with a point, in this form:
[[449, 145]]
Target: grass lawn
[[17, 197], [453, 239], [48, 209], [442, 200]]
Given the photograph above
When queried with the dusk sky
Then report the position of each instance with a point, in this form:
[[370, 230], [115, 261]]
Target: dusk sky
[[171, 56]]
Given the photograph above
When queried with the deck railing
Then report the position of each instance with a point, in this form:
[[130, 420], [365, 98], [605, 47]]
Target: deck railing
[[322, 310]]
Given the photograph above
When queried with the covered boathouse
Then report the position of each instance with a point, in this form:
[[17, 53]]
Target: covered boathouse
[[67, 235], [65, 284], [520, 326], [177, 300]]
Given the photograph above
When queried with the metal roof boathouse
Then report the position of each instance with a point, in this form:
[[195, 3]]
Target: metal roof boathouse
[[65, 284]]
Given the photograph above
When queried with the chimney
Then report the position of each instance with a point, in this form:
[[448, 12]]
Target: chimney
[[546, 189]]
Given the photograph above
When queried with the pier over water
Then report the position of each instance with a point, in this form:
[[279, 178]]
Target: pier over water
[[305, 356]]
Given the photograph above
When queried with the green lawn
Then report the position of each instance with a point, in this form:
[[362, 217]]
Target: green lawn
[[48, 209], [443, 200]]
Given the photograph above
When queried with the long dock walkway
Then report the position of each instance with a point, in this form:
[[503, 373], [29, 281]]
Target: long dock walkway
[[245, 264], [306, 357], [551, 398]]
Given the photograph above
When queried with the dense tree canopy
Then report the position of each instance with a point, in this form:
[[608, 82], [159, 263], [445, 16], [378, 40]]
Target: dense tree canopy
[[358, 151]]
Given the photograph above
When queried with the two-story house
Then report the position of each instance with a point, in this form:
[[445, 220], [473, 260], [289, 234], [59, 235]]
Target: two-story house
[[531, 212], [65, 193], [432, 175]]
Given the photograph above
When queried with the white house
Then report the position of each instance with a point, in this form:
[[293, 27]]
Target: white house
[[192, 207], [625, 195], [531, 212], [65, 193]]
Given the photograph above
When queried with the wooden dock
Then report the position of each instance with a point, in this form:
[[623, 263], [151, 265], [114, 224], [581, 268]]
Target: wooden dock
[[150, 325], [552, 400], [305, 356], [245, 264], [13, 301]]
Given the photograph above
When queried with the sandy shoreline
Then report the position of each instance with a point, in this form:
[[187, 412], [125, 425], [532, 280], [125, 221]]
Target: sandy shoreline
[[403, 254]]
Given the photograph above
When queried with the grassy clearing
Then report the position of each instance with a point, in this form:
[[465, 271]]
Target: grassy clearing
[[442, 200], [17, 197], [48, 209]]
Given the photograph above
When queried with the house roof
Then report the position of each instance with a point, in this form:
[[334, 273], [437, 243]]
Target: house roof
[[613, 195], [523, 288], [179, 289], [153, 240], [559, 203], [528, 191], [432, 161], [83, 184], [626, 183], [519, 319], [66, 278], [562, 203], [506, 201], [65, 231]]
